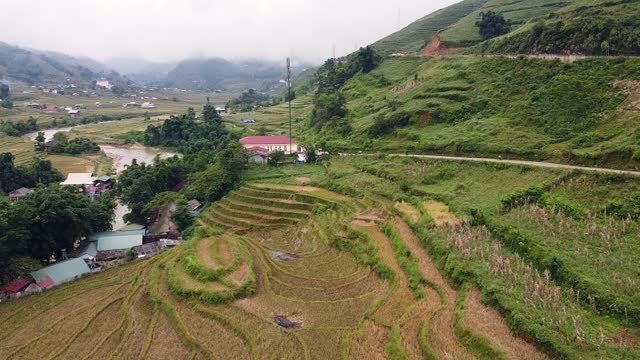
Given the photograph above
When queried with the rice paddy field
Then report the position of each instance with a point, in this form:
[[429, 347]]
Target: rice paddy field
[[368, 258]]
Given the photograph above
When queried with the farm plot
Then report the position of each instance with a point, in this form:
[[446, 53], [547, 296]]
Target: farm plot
[[271, 271]]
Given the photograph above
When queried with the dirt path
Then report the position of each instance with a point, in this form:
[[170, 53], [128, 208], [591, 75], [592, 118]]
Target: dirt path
[[515, 162], [489, 323]]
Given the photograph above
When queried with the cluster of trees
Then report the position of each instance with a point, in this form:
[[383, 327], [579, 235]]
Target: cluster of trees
[[44, 222], [248, 101], [185, 133], [329, 102], [138, 184], [386, 124], [19, 128], [211, 162], [38, 172], [492, 25], [5, 102], [65, 146], [593, 35]]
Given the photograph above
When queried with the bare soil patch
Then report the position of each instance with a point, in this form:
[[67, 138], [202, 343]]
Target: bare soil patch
[[489, 323], [303, 179]]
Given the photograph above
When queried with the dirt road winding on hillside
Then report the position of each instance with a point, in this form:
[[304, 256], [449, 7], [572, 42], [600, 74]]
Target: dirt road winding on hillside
[[505, 161]]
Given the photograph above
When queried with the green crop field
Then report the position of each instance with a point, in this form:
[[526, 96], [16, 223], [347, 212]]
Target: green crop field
[[371, 257]]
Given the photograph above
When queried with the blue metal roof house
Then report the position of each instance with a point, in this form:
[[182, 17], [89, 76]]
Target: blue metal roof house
[[61, 272]]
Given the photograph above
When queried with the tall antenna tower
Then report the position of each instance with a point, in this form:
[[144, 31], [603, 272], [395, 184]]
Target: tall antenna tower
[[289, 98]]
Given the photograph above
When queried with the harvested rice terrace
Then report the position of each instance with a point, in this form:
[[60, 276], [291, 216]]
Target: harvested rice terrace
[[273, 271]]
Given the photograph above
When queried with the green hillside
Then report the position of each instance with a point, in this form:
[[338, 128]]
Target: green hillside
[[464, 32], [592, 27], [456, 23], [418, 34], [29, 66], [584, 112]]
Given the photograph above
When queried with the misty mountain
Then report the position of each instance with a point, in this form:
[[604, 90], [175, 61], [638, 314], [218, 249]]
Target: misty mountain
[[29, 66], [140, 70], [236, 75]]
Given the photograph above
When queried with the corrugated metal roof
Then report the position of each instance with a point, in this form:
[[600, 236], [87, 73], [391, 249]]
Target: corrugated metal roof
[[117, 240], [91, 249], [62, 271]]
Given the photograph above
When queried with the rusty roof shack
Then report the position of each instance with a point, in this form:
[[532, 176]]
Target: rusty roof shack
[[19, 194]]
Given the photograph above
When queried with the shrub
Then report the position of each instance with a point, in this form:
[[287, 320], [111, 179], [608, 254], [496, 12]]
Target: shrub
[[385, 125]]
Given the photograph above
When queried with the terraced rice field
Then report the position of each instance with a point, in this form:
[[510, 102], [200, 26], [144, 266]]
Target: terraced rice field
[[273, 271]]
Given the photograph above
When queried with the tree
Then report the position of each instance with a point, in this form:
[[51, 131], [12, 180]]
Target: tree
[[4, 91], [367, 59], [8, 173], [276, 157], [118, 89], [6, 103], [210, 115], [328, 108], [40, 138], [311, 154], [492, 25], [182, 216], [60, 137]]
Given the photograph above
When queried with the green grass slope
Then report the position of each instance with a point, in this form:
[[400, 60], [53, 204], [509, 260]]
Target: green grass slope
[[464, 32], [592, 27], [418, 34], [584, 112]]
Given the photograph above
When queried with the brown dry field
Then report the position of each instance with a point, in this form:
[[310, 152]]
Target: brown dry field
[[312, 301]]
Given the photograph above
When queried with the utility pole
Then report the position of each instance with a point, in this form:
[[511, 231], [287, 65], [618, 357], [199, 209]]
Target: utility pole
[[289, 98]]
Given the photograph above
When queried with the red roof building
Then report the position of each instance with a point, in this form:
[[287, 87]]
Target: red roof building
[[270, 143], [16, 285], [47, 282]]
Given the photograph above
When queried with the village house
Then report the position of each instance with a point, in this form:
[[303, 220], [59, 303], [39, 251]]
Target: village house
[[114, 244], [19, 194], [74, 113], [221, 110], [60, 272], [148, 105], [103, 84], [270, 143], [78, 179], [51, 109], [50, 146], [258, 155], [194, 205]]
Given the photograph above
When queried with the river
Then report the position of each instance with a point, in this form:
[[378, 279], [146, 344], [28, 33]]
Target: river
[[122, 156]]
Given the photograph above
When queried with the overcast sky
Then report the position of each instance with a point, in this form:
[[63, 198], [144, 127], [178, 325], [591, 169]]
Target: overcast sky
[[169, 30]]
